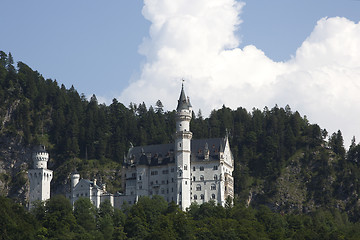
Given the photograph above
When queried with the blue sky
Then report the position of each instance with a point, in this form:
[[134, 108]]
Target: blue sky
[[93, 45], [256, 54]]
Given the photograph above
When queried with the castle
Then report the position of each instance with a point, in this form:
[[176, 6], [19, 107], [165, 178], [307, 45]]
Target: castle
[[188, 170]]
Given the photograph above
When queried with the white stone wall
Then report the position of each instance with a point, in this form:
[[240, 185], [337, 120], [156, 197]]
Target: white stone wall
[[39, 184], [205, 182], [81, 189], [211, 176]]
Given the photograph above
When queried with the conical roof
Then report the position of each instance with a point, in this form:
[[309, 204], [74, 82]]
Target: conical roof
[[183, 102]]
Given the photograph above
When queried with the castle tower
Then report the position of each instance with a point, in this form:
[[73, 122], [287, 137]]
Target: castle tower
[[39, 177], [183, 150]]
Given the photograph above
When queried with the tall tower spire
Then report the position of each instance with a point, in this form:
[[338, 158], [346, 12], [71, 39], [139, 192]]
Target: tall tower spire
[[183, 149]]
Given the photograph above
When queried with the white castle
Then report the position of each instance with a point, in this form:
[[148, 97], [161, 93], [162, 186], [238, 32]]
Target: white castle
[[88, 189], [189, 170], [39, 177], [186, 171]]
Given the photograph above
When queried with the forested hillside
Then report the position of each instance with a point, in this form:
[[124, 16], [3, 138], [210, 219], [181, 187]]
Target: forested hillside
[[281, 159]]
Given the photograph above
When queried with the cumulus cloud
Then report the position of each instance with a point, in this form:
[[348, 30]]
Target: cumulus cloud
[[199, 44]]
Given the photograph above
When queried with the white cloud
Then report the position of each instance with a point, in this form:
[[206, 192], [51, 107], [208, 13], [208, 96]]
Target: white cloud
[[198, 43]]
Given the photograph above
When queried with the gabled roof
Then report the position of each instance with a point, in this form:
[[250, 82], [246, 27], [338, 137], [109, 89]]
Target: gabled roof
[[162, 154], [87, 183]]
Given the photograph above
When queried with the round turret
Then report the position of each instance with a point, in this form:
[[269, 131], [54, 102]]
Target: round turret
[[40, 157], [75, 178]]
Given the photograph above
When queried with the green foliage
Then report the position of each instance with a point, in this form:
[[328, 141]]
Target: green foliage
[[153, 219], [15, 221]]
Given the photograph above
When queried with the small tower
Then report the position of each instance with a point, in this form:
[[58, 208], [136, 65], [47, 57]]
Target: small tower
[[75, 178], [39, 177], [183, 150]]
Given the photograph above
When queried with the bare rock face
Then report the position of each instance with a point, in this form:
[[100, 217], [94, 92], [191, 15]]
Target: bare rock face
[[15, 159]]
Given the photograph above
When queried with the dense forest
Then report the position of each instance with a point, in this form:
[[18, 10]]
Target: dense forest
[[281, 159], [156, 219]]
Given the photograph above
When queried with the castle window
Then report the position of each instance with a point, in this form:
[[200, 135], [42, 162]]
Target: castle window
[[201, 168], [172, 179], [213, 186], [195, 196], [185, 167], [179, 144], [133, 175], [163, 182], [194, 168], [194, 179], [185, 182], [215, 167], [140, 177], [202, 178], [213, 196], [202, 196], [172, 169], [215, 177], [198, 187], [162, 191], [154, 173]]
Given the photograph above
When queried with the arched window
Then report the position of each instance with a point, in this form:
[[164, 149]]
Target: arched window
[[202, 196], [198, 187], [215, 177], [194, 179], [195, 196], [202, 178], [213, 186], [213, 196], [185, 167], [201, 168]]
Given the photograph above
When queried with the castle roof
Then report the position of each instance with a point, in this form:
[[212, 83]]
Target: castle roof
[[162, 154], [183, 102], [39, 148]]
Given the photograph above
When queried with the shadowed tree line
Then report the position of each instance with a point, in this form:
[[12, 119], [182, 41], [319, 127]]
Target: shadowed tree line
[[156, 219]]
